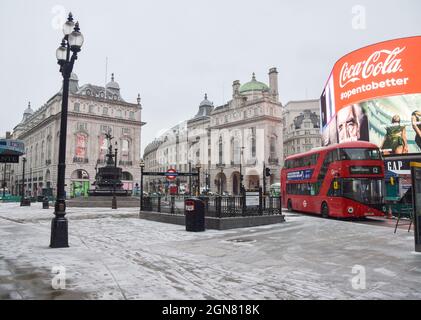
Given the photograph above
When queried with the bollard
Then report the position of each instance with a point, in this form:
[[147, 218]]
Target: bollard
[[114, 203]]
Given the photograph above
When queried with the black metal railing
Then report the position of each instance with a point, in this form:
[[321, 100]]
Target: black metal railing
[[219, 206]]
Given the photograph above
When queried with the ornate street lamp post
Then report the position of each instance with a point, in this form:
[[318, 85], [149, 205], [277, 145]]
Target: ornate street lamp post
[[71, 45], [24, 202], [198, 166], [4, 183], [114, 201], [241, 171], [142, 167]]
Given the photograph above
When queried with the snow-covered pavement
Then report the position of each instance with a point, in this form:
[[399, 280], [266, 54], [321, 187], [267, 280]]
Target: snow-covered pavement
[[115, 255]]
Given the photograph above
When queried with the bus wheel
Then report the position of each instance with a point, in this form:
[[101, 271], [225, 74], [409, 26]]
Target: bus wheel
[[289, 206], [325, 210]]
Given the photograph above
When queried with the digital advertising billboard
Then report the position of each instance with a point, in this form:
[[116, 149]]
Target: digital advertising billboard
[[374, 94]]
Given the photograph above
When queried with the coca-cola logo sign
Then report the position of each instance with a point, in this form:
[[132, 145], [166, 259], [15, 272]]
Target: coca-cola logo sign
[[381, 62]]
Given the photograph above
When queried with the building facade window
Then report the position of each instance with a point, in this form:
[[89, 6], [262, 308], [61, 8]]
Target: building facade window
[[49, 142], [220, 148], [125, 150], [42, 153], [253, 142], [103, 145], [36, 155], [273, 147]]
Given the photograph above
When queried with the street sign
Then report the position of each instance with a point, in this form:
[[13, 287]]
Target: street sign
[[252, 199], [4, 158], [165, 174]]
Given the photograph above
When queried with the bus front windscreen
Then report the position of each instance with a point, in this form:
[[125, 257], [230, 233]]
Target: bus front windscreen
[[360, 154], [367, 191]]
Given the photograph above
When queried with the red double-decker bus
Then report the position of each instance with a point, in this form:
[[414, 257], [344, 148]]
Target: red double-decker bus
[[343, 180]]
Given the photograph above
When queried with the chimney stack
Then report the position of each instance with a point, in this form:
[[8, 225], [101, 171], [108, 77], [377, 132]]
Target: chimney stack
[[235, 88], [273, 83]]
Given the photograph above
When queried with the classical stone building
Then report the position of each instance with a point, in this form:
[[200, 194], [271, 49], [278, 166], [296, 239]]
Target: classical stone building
[[93, 112], [239, 137], [301, 126]]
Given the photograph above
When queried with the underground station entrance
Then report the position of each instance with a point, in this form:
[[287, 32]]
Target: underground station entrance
[[199, 212]]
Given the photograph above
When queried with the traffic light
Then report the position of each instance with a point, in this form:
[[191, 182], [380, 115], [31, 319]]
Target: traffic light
[[392, 181], [267, 173]]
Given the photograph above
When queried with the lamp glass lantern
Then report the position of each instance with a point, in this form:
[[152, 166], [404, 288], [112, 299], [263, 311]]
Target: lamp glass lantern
[[68, 27], [76, 40], [61, 53]]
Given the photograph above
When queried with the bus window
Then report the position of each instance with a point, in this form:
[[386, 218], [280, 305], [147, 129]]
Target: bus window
[[360, 154]]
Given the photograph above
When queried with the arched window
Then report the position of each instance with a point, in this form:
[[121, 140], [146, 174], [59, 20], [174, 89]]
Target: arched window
[[42, 153], [126, 176], [80, 175], [36, 155], [273, 147], [125, 149], [253, 142], [49, 148], [235, 151]]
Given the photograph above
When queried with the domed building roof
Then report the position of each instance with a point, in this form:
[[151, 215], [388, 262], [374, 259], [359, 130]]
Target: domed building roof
[[205, 109], [206, 102], [27, 113], [112, 84], [29, 110], [253, 85], [154, 145]]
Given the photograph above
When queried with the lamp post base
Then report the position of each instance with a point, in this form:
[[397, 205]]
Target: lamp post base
[[59, 233]]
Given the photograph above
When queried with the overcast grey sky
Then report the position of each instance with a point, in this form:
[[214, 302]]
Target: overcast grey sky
[[172, 52]]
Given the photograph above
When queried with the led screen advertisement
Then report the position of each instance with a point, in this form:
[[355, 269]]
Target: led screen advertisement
[[374, 94]]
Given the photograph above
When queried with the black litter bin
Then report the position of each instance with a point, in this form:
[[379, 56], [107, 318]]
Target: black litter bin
[[195, 215], [45, 203]]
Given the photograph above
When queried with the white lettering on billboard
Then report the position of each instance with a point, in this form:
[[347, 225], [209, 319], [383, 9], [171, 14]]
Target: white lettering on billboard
[[372, 67]]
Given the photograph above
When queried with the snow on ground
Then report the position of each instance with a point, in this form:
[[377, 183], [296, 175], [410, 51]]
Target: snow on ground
[[115, 255]]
